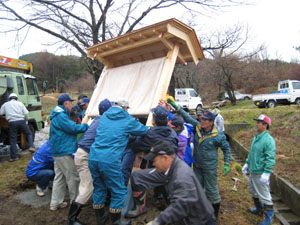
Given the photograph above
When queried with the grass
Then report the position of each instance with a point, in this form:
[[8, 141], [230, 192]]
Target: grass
[[285, 129]]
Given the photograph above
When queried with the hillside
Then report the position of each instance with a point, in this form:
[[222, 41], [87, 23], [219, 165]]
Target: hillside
[[285, 129]]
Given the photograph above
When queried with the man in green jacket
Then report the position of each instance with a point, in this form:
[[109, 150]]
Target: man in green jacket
[[207, 140], [260, 162]]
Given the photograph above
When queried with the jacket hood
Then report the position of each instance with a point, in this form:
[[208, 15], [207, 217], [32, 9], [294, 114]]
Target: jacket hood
[[58, 109], [115, 113], [164, 131]]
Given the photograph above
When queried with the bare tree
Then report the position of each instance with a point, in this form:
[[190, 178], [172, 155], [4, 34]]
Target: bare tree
[[78, 24]]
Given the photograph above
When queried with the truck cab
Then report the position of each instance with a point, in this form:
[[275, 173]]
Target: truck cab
[[188, 99], [25, 86]]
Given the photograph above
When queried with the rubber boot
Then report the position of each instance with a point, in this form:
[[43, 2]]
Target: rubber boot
[[75, 209], [269, 213], [101, 216], [115, 218], [139, 199], [216, 208], [259, 207]]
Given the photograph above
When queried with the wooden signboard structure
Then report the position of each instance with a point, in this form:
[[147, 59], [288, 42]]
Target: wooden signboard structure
[[138, 65]]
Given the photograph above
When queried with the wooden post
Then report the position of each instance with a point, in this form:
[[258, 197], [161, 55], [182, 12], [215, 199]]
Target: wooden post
[[164, 80]]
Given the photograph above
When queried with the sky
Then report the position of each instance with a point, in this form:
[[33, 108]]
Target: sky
[[272, 23]]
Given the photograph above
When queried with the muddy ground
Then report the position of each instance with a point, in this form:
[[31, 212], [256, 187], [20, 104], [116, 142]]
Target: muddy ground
[[13, 211]]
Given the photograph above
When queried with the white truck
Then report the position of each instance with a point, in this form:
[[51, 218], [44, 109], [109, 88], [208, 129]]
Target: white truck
[[188, 99], [288, 93]]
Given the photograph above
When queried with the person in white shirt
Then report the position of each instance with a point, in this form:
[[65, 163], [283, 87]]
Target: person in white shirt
[[219, 120], [17, 116]]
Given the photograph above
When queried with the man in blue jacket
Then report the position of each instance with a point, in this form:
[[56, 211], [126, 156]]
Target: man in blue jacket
[[81, 161], [63, 143], [40, 168], [112, 135], [207, 141]]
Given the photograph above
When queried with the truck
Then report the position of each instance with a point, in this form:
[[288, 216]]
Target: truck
[[15, 77], [288, 93], [188, 99]]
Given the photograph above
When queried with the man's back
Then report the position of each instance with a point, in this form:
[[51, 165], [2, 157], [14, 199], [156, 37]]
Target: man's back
[[14, 110], [112, 135], [154, 135], [187, 197]]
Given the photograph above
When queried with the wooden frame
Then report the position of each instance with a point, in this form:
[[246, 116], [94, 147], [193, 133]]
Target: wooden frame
[[170, 38]]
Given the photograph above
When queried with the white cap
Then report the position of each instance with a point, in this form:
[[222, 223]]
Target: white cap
[[121, 103], [13, 95]]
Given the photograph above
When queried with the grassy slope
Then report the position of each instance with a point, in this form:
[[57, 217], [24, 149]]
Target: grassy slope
[[285, 129]]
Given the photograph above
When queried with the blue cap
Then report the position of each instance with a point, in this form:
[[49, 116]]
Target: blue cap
[[75, 112], [160, 113], [207, 115], [104, 105], [63, 98], [177, 121], [84, 100]]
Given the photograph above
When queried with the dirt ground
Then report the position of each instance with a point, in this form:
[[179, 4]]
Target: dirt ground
[[13, 182]]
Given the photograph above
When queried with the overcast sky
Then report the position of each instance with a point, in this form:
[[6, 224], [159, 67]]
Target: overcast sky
[[274, 23]]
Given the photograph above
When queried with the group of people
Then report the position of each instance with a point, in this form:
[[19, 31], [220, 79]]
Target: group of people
[[180, 157]]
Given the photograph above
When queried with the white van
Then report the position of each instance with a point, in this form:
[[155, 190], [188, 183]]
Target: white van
[[188, 98]]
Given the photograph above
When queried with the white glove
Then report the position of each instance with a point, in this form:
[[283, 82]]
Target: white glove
[[153, 222], [264, 178], [245, 169]]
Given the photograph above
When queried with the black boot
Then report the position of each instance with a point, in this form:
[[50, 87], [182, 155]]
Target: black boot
[[216, 208], [258, 207], [101, 215], [75, 209], [115, 218]]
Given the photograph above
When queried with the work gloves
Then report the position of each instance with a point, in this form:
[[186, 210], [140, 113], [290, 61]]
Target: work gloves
[[264, 178], [245, 169], [153, 222], [172, 103], [225, 169]]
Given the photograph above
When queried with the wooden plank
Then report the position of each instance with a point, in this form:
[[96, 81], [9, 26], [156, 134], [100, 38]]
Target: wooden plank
[[164, 80], [169, 45], [129, 46], [180, 34]]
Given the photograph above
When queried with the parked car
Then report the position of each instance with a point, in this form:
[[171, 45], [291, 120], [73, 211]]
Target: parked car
[[239, 96]]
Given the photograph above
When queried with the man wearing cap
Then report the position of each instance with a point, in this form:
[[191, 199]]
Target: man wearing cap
[[219, 120], [207, 141], [111, 139], [63, 143], [159, 131], [260, 162], [188, 203], [78, 108], [81, 161], [177, 123], [17, 116]]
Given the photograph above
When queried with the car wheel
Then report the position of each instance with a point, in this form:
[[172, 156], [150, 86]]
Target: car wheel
[[297, 101], [271, 104], [246, 98]]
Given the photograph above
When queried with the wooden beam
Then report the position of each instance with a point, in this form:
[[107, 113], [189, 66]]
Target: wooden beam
[[144, 36], [164, 80], [128, 46], [107, 63], [169, 45], [182, 35]]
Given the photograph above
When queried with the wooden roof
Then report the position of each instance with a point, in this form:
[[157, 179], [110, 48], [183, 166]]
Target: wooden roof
[[147, 43]]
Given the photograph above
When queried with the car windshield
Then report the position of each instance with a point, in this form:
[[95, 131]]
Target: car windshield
[[193, 93]]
